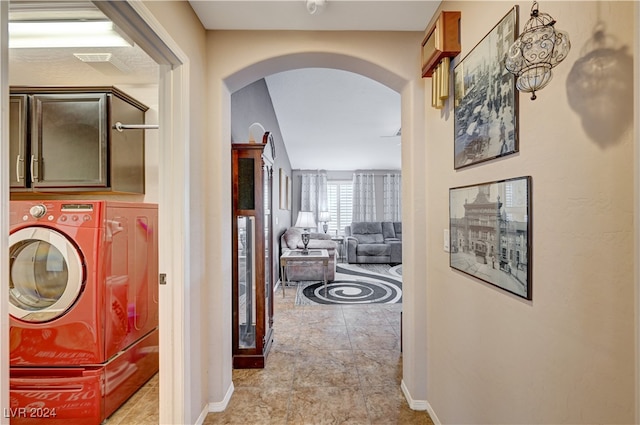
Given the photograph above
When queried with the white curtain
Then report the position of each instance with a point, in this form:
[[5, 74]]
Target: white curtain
[[364, 197], [392, 192], [313, 193]]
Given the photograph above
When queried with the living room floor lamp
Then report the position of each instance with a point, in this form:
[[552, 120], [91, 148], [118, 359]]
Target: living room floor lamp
[[305, 221]]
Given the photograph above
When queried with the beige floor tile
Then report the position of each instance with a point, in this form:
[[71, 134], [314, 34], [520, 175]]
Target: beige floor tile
[[327, 405], [374, 316], [325, 338], [326, 368], [278, 372], [254, 406], [322, 316], [386, 405], [141, 408], [328, 365], [374, 338], [379, 368]]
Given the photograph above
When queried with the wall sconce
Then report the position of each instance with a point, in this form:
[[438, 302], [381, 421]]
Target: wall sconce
[[539, 48]]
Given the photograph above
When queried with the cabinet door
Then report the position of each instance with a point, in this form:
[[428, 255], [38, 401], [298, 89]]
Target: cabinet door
[[268, 248], [69, 140], [246, 302], [252, 276], [18, 141]]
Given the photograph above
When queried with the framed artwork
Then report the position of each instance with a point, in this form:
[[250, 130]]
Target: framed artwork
[[485, 98], [289, 191], [490, 233], [283, 189]]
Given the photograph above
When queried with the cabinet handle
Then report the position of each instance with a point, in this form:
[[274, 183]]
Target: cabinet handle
[[121, 127], [18, 161], [34, 175]]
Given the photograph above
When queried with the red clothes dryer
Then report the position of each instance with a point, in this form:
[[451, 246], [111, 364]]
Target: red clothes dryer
[[83, 301]]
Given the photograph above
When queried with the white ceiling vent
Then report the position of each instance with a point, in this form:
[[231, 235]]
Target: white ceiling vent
[[103, 62]]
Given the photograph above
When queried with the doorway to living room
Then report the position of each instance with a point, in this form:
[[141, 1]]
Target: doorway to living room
[[247, 71], [332, 131]]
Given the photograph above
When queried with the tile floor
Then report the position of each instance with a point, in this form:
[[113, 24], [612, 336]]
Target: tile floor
[[141, 408], [328, 365]]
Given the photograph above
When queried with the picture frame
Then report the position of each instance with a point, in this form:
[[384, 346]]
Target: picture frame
[[490, 233], [485, 98], [289, 190], [283, 189]]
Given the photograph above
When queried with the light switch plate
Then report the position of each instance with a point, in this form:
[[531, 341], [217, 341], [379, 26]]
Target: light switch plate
[[446, 240]]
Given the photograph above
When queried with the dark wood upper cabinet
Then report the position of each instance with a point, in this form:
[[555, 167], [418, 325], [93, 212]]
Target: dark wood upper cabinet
[[68, 142], [18, 132]]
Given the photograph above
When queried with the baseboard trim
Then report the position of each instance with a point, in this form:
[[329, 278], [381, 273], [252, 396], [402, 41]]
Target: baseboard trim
[[432, 413], [217, 406], [413, 404], [419, 404], [203, 415]]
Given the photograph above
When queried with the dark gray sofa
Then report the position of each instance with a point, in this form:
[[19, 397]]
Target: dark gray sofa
[[374, 242]]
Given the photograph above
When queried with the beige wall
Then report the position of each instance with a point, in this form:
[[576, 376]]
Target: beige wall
[[567, 356], [183, 26]]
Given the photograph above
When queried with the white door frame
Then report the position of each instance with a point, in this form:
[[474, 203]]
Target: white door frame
[[142, 26], [636, 213], [136, 20], [4, 210]]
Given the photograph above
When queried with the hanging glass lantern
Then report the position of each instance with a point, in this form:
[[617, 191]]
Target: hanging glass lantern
[[539, 48]]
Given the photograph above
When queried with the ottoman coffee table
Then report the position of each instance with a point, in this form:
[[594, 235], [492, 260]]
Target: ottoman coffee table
[[298, 257]]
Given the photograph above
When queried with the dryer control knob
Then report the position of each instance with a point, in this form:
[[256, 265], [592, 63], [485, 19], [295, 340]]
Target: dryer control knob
[[38, 211]]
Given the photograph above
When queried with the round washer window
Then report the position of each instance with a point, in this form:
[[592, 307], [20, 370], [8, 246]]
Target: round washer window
[[45, 274]]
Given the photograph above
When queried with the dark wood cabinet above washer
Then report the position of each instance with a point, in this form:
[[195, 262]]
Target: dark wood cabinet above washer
[[63, 140]]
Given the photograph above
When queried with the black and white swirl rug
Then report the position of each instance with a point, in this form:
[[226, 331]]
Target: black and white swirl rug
[[355, 284]]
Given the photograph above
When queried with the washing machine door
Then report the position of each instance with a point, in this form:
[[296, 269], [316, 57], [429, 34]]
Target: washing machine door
[[45, 274]]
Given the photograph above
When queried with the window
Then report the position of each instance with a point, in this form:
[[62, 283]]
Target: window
[[339, 194]]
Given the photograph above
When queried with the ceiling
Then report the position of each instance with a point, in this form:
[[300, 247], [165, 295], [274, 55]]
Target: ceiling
[[336, 15], [59, 66], [350, 114], [329, 119], [336, 120]]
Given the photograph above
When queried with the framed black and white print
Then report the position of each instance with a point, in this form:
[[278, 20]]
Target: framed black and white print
[[485, 98], [490, 233], [283, 179]]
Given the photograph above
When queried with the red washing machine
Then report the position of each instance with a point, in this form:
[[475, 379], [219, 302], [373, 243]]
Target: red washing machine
[[83, 303]]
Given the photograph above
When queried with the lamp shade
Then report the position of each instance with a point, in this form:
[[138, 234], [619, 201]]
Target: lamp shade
[[324, 216], [305, 220], [539, 48]]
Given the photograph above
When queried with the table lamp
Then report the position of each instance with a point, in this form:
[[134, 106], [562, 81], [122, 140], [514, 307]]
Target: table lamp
[[305, 221], [324, 217]]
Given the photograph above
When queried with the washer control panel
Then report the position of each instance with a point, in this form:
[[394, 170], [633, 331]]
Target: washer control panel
[[74, 214], [38, 211]]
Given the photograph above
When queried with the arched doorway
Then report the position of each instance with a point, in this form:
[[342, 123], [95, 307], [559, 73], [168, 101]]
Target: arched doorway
[[276, 52]]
